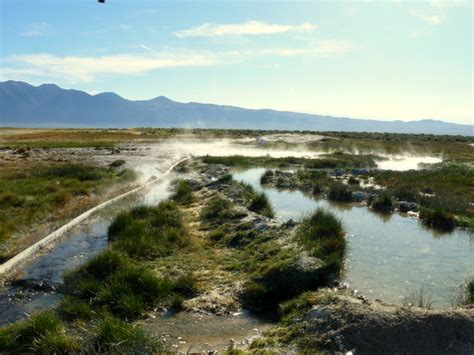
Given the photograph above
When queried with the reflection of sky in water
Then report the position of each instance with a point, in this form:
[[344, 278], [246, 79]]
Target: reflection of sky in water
[[387, 257]]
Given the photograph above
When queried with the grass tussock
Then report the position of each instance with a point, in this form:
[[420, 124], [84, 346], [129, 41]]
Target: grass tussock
[[42, 333], [148, 232], [418, 298], [284, 273], [112, 335], [113, 283], [383, 204], [183, 193], [323, 234], [438, 218], [219, 210], [340, 193], [260, 204]]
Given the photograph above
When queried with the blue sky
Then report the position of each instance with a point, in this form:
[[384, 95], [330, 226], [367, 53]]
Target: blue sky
[[380, 59]]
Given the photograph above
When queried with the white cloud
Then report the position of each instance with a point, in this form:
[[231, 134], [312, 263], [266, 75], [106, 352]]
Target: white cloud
[[73, 69], [246, 28], [36, 29], [86, 69], [429, 18]]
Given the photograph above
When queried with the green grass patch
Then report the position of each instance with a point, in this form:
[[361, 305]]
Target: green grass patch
[[219, 210], [260, 204], [339, 192], [383, 203], [183, 193], [42, 333], [149, 232], [437, 218], [113, 283]]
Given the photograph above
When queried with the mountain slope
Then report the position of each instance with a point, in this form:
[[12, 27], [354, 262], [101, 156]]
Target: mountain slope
[[47, 105]]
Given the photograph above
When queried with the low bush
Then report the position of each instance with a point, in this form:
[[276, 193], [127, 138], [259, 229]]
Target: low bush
[[340, 193]]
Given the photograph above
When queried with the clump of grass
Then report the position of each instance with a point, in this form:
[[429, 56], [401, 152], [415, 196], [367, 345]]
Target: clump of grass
[[267, 177], [112, 282], [437, 218], [219, 210], [284, 274], [383, 203], [117, 163], [418, 298], [42, 333], [261, 204], [466, 294], [225, 179], [112, 335], [184, 193], [147, 232], [340, 193], [353, 180], [322, 233]]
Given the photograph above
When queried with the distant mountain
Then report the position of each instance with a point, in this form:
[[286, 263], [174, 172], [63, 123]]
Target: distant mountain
[[48, 105]]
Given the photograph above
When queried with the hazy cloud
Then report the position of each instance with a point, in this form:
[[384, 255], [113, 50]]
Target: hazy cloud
[[36, 29], [429, 18], [245, 28], [90, 68]]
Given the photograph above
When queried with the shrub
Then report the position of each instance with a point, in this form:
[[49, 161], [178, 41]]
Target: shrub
[[383, 203], [184, 193], [261, 204], [437, 218], [340, 193]]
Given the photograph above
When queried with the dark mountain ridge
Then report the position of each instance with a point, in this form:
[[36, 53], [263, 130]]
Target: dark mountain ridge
[[48, 105]]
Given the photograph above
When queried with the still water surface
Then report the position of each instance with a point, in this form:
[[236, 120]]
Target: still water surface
[[388, 256]]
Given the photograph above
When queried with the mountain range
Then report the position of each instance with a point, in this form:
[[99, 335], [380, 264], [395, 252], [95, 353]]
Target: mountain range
[[48, 105]]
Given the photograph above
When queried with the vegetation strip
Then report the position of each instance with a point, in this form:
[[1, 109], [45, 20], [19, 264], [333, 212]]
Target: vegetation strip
[[39, 246]]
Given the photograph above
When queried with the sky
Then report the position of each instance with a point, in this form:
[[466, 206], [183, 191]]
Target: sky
[[387, 60]]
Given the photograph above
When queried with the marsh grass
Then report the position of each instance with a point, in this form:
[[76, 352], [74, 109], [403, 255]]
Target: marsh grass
[[112, 335], [438, 218], [148, 232], [41, 333], [38, 193], [383, 203], [183, 193], [113, 283], [323, 234], [261, 204], [418, 298], [219, 210], [339, 192]]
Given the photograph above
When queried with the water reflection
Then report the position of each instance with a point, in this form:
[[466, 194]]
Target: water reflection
[[389, 255]]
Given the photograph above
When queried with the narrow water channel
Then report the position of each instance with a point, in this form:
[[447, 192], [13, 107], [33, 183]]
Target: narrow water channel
[[389, 256], [34, 288]]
